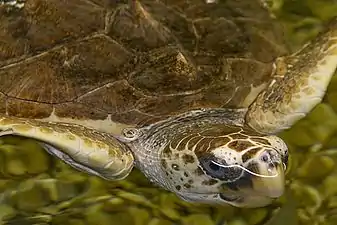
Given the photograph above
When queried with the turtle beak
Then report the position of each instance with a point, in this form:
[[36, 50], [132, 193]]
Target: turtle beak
[[269, 178]]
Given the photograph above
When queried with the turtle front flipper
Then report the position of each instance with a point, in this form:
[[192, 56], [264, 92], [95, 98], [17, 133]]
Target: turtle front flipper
[[88, 150], [299, 84]]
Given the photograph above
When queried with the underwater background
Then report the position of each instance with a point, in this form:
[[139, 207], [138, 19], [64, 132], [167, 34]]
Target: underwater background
[[39, 189]]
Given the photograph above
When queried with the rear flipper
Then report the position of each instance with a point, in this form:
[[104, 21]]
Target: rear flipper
[[299, 84]]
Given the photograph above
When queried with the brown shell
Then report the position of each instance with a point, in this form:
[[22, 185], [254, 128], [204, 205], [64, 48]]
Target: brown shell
[[136, 60]]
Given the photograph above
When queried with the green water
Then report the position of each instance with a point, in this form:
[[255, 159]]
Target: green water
[[60, 195]]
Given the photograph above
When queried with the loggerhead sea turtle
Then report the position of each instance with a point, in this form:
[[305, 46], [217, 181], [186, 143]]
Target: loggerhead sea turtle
[[191, 93]]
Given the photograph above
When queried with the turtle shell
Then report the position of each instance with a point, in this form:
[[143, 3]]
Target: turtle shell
[[133, 62]]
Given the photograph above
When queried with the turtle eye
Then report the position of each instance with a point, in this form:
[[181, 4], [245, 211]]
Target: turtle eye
[[213, 166], [219, 169]]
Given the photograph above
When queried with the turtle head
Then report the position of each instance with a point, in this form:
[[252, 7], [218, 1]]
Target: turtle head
[[238, 168]]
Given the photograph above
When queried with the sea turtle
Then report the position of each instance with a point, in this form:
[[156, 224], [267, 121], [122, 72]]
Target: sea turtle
[[191, 92]]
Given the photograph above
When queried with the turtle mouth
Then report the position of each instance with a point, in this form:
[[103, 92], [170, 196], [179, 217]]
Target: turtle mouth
[[251, 183], [264, 179], [262, 176], [270, 186]]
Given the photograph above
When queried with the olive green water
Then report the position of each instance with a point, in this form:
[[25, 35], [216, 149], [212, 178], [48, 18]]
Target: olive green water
[[38, 189]]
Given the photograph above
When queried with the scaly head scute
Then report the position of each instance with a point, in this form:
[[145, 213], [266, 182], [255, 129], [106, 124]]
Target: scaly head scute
[[240, 168]]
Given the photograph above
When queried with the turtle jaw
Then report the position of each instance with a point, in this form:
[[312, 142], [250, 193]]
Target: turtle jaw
[[263, 178], [269, 181], [260, 184]]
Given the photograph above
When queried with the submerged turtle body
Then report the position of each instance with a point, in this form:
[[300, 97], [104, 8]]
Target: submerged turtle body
[[189, 91]]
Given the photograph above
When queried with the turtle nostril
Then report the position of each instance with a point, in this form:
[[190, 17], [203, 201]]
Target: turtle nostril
[[270, 156], [265, 158]]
